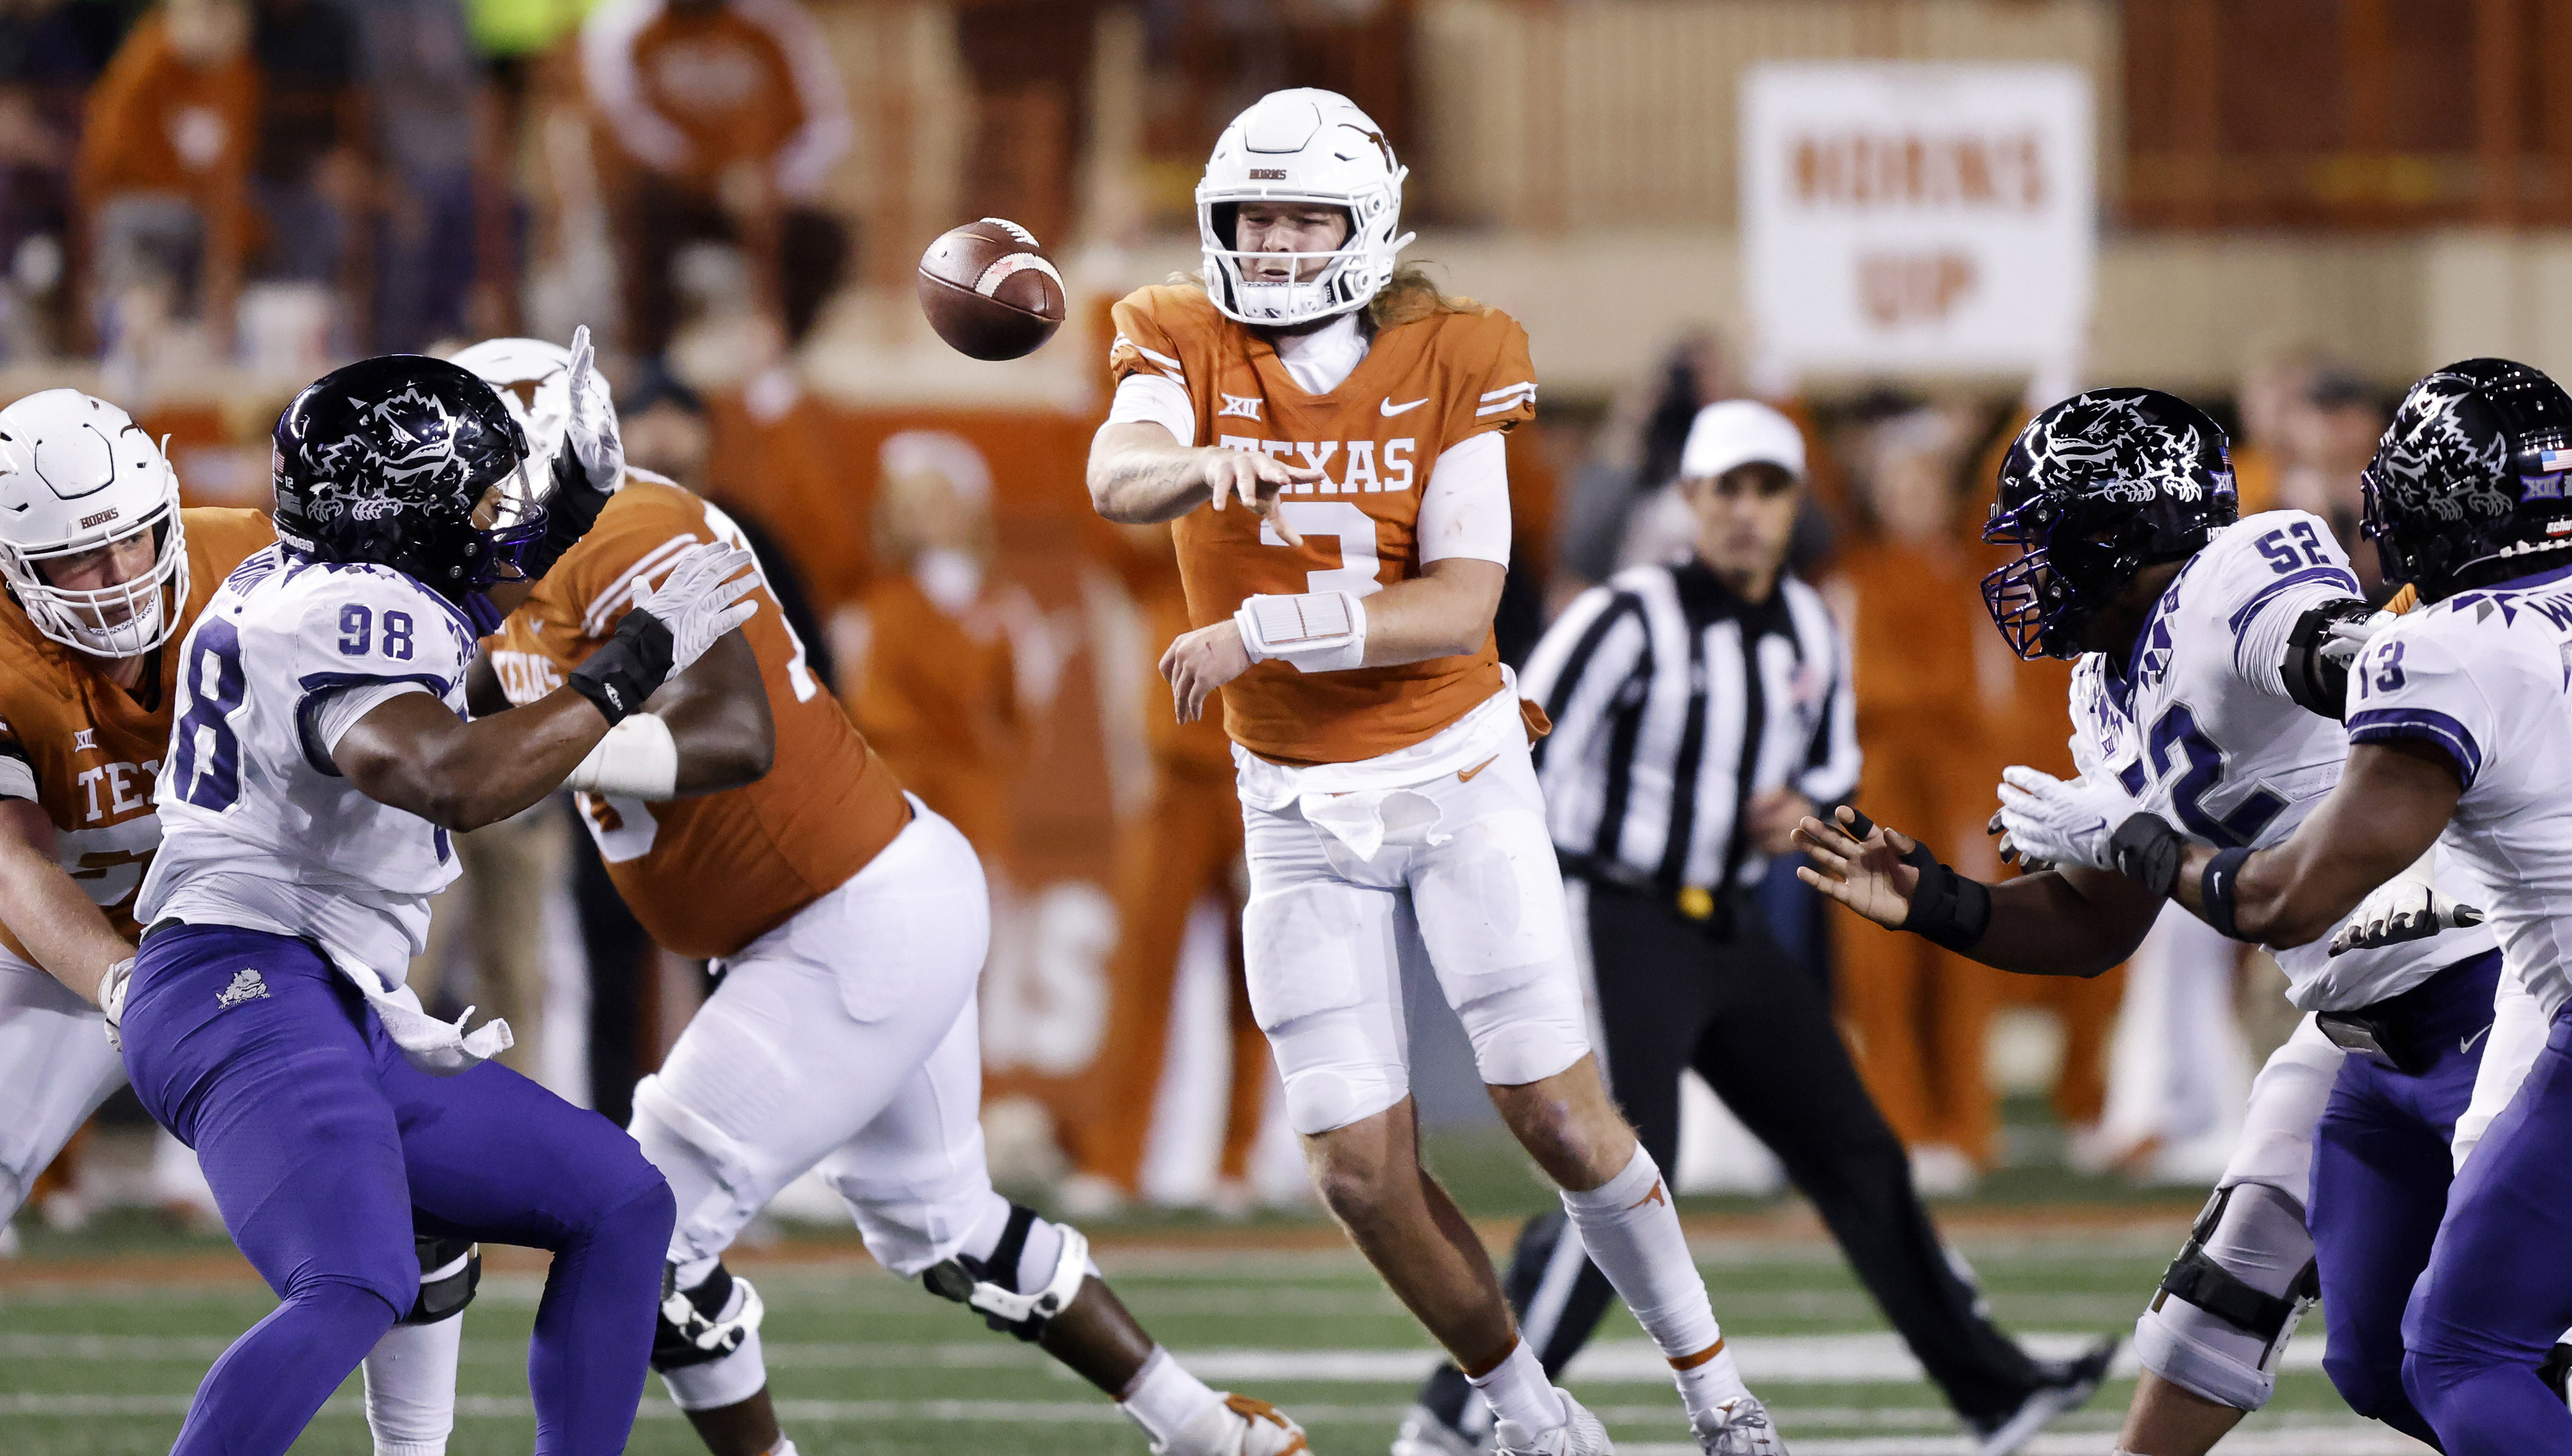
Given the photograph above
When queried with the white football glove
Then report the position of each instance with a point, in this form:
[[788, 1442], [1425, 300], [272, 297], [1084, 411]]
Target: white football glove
[[2403, 908], [111, 999], [704, 596], [589, 424], [2063, 822]]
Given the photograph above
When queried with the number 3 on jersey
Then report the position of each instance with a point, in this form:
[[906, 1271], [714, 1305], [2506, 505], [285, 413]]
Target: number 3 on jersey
[[1356, 532]]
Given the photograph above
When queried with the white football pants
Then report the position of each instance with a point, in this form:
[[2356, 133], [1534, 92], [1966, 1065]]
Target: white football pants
[[55, 1069], [1462, 881], [844, 1039]]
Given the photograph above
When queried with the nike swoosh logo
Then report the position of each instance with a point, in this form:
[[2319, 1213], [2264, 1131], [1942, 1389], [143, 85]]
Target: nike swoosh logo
[[1390, 408], [1466, 776], [2467, 1044]]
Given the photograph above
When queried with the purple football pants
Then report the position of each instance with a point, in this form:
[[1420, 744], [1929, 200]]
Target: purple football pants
[[325, 1147], [2380, 1171], [2498, 1288]]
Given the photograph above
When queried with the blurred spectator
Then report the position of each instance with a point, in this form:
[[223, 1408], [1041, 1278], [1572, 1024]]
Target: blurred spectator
[[1635, 452], [2331, 432], [163, 169], [431, 118], [51, 52], [926, 664], [313, 174], [1910, 592], [718, 119], [2275, 380], [1185, 846], [777, 459]]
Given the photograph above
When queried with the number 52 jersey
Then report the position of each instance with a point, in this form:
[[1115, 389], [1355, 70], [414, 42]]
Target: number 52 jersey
[[2199, 730], [1424, 387]]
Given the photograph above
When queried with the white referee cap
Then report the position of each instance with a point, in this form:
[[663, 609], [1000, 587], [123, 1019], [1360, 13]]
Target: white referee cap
[[1739, 432]]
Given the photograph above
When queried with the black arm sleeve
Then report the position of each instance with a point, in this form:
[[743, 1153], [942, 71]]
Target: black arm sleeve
[[2316, 681]]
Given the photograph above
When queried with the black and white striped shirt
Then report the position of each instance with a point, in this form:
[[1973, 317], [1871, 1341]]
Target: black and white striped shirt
[[1675, 703]]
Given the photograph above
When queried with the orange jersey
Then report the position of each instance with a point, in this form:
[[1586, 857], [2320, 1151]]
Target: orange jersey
[[158, 123], [708, 875], [94, 751], [1422, 388]]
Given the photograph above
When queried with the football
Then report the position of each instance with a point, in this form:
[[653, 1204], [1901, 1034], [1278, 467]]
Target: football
[[990, 291]]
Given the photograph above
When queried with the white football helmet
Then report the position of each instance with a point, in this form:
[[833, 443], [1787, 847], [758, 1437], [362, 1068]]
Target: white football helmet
[[534, 377], [1312, 147], [77, 475]]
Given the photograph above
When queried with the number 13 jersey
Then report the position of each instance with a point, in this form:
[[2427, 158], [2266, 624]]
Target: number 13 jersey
[[1424, 387], [2199, 730]]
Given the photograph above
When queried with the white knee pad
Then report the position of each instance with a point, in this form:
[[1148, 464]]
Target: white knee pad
[[709, 1173], [2233, 1297], [1528, 1031], [1325, 1091], [727, 1379]]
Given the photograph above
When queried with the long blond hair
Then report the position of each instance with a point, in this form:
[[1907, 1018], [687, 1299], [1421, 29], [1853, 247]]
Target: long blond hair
[[1408, 297]]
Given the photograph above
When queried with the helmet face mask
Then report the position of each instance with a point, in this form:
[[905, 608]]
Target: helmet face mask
[[2092, 490], [1313, 147], [78, 477], [2467, 484], [410, 462]]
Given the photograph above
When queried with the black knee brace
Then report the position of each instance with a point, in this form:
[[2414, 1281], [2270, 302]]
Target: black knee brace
[[991, 1285], [2196, 1277], [692, 1329], [450, 1270]]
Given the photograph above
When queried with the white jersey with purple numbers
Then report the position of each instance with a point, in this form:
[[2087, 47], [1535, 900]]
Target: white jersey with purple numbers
[[258, 827], [2200, 729], [2486, 677]]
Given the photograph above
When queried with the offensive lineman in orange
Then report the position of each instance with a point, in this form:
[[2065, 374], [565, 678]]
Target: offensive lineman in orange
[[1353, 415], [850, 924], [105, 575]]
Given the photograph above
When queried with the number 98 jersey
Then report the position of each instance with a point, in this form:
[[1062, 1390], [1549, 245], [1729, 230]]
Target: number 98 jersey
[[2198, 727], [1424, 387], [259, 828]]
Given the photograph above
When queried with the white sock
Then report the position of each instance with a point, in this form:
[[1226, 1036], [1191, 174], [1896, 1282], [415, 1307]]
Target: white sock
[[1163, 1397], [410, 1387], [1517, 1390], [1632, 1231]]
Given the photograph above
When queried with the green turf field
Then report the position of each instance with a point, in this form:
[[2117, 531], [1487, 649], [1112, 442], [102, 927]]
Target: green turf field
[[862, 1362], [103, 1336]]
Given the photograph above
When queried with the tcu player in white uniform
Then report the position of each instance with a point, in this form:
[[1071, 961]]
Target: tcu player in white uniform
[[319, 761], [2457, 721], [2211, 653]]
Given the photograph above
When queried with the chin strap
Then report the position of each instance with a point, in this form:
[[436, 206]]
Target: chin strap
[[991, 1285]]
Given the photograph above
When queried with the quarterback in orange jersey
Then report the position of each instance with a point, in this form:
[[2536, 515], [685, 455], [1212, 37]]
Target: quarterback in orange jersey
[[1324, 431], [103, 571], [850, 924]]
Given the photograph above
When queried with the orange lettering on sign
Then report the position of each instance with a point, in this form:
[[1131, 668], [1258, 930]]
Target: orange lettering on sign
[[1919, 169], [1898, 288]]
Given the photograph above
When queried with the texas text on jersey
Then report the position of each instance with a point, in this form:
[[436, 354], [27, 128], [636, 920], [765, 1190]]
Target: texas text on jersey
[[2198, 727], [90, 751], [1424, 387], [774, 846]]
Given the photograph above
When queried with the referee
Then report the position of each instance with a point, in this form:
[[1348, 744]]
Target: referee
[[1700, 710]]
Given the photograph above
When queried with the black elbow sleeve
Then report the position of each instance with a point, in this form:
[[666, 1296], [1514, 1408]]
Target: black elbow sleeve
[[2317, 676]]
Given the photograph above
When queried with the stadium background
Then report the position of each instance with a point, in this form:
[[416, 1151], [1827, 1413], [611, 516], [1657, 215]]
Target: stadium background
[[2299, 206]]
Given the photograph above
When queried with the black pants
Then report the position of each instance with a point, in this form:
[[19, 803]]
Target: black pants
[[1675, 993]]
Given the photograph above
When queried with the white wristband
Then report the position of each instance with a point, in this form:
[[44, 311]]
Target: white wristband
[[1319, 631], [638, 759]]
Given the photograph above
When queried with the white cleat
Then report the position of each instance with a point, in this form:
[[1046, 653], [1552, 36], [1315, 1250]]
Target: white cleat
[[1238, 1426], [1423, 1434], [1581, 1435], [1740, 1427]]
